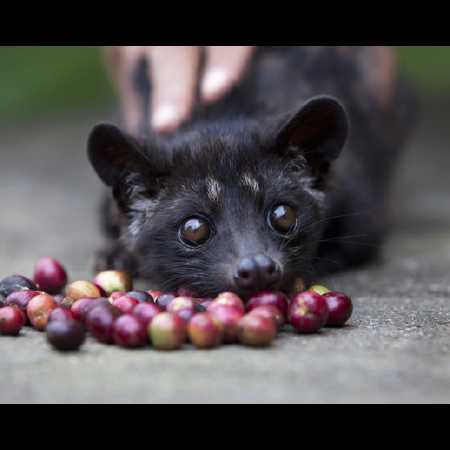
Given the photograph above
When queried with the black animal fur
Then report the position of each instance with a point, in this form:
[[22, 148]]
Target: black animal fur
[[265, 143]]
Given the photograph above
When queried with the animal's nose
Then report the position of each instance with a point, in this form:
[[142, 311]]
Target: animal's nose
[[257, 272]]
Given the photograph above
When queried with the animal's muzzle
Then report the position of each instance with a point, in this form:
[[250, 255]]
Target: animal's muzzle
[[257, 272]]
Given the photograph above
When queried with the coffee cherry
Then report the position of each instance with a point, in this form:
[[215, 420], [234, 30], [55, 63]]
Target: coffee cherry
[[100, 322], [115, 295], [65, 335], [308, 312], [186, 314], [340, 307], [167, 331], [277, 299], [59, 298], [82, 306], [21, 299], [15, 283], [12, 319], [180, 303], [63, 301], [229, 299], [318, 289], [227, 318], [183, 307], [82, 289], [125, 303], [39, 309], [60, 314], [203, 331], [270, 312], [141, 296], [79, 308], [164, 299], [146, 312], [101, 290], [256, 331], [129, 332], [50, 275], [113, 280]]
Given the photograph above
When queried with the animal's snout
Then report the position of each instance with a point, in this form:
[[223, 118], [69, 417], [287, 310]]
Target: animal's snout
[[257, 272]]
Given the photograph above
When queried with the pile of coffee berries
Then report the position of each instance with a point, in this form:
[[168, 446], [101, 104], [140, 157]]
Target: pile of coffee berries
[[114, 314]]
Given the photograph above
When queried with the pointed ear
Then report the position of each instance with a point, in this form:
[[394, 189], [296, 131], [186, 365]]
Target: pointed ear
[[318, 131], [114, 154]]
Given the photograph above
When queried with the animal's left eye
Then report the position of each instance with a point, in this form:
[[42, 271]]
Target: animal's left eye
[[195, 231], [283, 219]]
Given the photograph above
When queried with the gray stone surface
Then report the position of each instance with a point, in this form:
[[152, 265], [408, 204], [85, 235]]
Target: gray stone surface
[[395, 350]]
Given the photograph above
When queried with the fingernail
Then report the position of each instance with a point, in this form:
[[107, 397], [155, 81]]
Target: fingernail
[[213, 83], [165, 117]]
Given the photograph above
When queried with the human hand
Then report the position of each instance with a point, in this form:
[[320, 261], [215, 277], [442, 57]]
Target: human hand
[[174, 72]]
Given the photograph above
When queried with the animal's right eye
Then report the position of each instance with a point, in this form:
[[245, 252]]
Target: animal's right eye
[[195, 231], [283, 219]]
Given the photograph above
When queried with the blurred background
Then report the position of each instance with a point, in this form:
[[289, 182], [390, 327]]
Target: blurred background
[[46, 81]]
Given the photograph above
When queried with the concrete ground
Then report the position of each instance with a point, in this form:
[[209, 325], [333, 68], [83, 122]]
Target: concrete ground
[[396, 349]]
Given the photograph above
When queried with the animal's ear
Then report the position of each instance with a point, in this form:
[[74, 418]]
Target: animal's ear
[[114, 154], [318, 131]]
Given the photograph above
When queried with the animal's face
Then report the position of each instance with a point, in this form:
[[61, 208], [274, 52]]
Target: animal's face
[[235, 208]]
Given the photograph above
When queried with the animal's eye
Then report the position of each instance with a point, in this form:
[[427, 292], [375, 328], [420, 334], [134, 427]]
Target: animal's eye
[[283, 219], [195, 231]]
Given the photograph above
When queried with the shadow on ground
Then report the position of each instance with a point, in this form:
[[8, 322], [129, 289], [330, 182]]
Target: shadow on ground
[[396, 349]]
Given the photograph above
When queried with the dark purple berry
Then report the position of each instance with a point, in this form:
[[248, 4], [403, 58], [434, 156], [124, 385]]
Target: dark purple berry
[[146, 312], [100, 322], [66, 335], [340, 307], [141, 296], [129, 332], [15, 283], [21, 299], [81, 307], [164, 299], [60, 314], [12, 319], [50, 275]]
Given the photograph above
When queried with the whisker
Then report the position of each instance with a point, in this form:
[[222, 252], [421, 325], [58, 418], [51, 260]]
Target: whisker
[[341, 216], [350, 236]]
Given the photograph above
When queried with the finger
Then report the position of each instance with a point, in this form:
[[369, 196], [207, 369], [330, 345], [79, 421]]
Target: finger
[[224, 67], [129, 98], [174, 73]]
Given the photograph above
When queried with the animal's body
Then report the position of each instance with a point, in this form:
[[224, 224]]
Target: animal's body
[[285, 177]]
